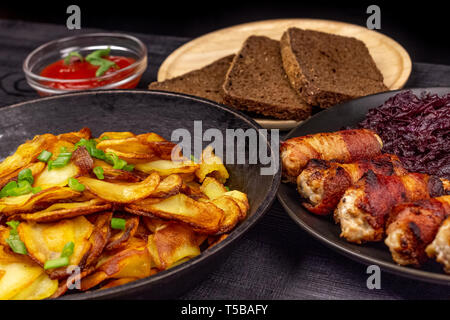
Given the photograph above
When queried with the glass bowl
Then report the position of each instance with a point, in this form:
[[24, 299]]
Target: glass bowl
[[120, 45]]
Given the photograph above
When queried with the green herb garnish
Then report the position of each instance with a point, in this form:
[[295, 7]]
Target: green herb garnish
[[45, 156], [61, 161], [13, 240], [96, 58], [63, 260], [20, 187], [98, 171], [26, 175], [72, 54], [118, 223], [74, 184]]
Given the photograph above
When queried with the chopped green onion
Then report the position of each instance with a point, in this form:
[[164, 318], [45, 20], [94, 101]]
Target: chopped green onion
[[13, 240], [13, 224], [80, 143], [56, 263], [14, 189], [6, 191], [36, 190], [98, 171], [75, 185], [63, 259], [128, 167], [104, 138], [228, 189], [26, 175], [72, 54], [91, 147], [67, 251], [61, 161], [119, 164], [115, 161], [45, 156], [17, 245], [23, 187], [110, 157], [118, 223]]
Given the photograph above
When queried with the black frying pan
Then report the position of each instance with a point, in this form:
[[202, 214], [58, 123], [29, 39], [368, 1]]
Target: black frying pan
[[139, 112]]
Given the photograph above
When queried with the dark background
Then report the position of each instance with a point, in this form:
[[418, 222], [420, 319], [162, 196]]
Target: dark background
[[421, 27]]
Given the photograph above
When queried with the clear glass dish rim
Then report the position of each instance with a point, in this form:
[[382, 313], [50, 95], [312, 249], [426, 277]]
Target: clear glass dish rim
[[35, 76]]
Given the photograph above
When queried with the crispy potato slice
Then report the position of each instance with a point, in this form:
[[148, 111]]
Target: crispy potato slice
[[31, 202], [210, 164], [212, 188], [36, 168], [74, 137], [121, 193], [203, 217], [117, 135], [56, 148], [133, 261], [150, 137], [167, 167], [163, 148], [154, 224], [16, 277], [59, 211], [120, 238], [99, 237], [45, 241], [192, 189], [172, 245], [17, 273], [114, 175], [242, 201], [169, 186], [231, 210], [26, 153], [129, 149], [127, 145], [42, 288], [58, 177]]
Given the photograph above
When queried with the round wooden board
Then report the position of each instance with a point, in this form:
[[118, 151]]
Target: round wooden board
[[391, 58]]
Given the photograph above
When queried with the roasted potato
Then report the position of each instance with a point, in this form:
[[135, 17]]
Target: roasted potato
[[118, 208]]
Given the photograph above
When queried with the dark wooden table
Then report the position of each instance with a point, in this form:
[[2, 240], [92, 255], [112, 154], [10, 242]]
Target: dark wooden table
[[276, 259]]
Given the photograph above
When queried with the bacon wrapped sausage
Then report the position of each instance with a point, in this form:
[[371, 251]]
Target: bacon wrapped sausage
[[413, 226], [342, 146], [439, 249], [364, 208], [322, 183]]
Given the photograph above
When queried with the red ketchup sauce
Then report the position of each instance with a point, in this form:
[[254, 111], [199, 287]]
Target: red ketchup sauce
[[84, 70]]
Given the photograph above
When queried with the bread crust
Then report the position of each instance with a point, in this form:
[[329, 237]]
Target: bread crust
[[260, 88], [309, 87]]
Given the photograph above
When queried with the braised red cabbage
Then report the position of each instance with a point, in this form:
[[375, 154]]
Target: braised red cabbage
[[417, 129]]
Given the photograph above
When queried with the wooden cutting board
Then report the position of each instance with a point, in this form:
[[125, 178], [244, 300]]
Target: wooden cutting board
[[391, 58]]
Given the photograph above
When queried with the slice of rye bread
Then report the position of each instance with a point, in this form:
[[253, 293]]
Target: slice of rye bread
[[327, 69], [256, 82], [205, 82]]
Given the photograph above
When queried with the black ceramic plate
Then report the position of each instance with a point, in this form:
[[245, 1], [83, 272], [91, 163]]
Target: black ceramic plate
[[139, 112], [323, 228]]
